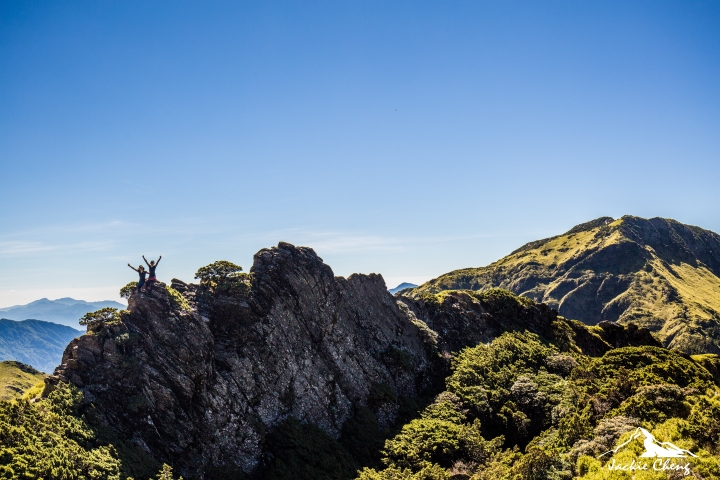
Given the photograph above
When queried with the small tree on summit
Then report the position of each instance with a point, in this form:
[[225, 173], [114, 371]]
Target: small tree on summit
[[218, 272], [223, 277], [128, 290]]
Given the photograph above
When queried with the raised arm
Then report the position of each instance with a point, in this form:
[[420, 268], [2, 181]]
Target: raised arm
[[146, 262], [158, 260], [132, 267]]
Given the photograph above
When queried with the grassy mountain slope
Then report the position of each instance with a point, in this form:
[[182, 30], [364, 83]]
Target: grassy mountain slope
[[657, 273], [34, 342], [17, 378]]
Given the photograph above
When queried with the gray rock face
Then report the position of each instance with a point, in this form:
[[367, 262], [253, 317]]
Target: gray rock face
[[197, 375], [463, 318]]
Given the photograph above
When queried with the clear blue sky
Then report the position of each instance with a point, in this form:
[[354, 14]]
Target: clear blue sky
[[404, 138]]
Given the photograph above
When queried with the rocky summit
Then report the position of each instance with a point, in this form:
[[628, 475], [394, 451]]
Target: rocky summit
[[198, 376], [656, 273]]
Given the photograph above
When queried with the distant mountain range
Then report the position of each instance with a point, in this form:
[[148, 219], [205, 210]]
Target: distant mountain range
[[402, 286], [34, 342], [65, 311], [656, 273]]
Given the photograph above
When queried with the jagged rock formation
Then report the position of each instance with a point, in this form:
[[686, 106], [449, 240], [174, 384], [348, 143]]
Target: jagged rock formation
[[197, 375], [198, 380], [656, 273]]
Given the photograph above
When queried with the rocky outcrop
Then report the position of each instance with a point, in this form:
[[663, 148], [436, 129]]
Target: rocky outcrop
[[461, 318], [198, 377]]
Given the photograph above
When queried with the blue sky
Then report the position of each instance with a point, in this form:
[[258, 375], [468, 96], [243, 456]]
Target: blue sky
[[403, 138]]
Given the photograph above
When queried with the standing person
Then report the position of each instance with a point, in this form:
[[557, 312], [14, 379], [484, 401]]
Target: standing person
[[142, 272], [152, 265]]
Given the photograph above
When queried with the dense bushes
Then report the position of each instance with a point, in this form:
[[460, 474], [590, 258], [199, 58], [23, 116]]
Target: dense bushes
[[224, 277], [549, 414], [96, 320], [49, 440], [128, 290]]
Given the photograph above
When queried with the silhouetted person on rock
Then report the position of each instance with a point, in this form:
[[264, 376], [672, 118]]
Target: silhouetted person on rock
[[152, 265], [142, 272]]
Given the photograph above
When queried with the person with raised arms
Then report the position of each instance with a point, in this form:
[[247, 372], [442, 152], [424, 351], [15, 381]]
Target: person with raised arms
[[152, 265], [141, 271]]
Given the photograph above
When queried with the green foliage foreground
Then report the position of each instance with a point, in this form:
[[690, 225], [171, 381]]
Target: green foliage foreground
[[520, 409], [49, 439]]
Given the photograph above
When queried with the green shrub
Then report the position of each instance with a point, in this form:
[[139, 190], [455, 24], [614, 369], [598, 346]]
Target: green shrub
[[430, 472], [166, 473], [656, 403], [703, 423], [218, 272], [423, 442], [177, 299], [128, 290], [401, 358], [380, 394], [498, 383], [100, 318], [224, 278], [47, 439]]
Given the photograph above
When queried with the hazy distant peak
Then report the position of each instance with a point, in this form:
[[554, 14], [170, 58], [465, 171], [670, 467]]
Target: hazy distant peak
[[402, 286], [35, 302], [65, 311], [70, 301]]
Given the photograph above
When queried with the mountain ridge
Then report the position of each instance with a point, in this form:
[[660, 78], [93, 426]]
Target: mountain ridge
[[657, 273], [64, 311], [36, 343]]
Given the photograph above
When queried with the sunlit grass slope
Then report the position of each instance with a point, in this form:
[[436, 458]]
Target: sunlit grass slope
[[658, 273], [17, 378]]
